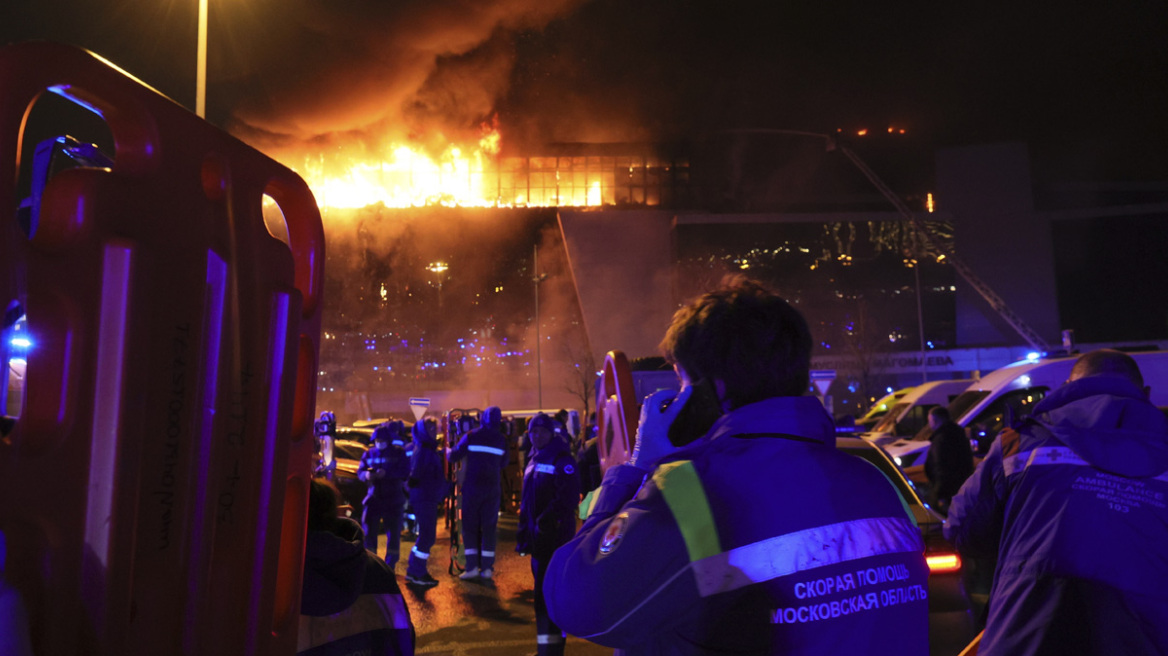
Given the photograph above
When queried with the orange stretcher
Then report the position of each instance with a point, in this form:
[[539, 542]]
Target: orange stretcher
[[169, 395]]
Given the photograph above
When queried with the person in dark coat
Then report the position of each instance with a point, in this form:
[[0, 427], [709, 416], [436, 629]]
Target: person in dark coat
[[350, 602], [384, 468], [481, 478], [427, 485], [547, 517], [757, 537], [1072, 504], [950, 458]]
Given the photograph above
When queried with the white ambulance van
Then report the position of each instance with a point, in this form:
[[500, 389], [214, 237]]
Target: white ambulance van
[[986, 406]]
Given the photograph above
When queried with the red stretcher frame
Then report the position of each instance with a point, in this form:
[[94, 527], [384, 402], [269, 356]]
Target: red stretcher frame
[[169, 396]]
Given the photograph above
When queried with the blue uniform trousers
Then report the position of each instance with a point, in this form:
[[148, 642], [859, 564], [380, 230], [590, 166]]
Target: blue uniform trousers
[[549, 638], [480, 517], [426, 518], [385, 511]]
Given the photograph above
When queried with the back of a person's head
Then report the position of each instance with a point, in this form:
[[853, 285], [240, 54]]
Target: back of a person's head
[[383, 433], [746, 336], [492, 416], [323, 504], [940, 413], [1107, 362]]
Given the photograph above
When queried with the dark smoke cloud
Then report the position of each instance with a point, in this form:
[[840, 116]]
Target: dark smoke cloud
[[335, 72]]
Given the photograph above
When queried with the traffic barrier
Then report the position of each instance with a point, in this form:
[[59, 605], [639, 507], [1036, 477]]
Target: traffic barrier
[[617, 411], [170, 388]]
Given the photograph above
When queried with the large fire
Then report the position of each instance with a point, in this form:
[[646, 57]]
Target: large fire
[[464, 176]]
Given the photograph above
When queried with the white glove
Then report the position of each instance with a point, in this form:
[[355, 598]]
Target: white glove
[[653, 430]]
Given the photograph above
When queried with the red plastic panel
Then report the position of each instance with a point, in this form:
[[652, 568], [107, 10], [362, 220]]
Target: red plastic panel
[[169, 399]]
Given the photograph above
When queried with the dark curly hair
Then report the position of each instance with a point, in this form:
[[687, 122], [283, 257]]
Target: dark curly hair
[[746, 336]]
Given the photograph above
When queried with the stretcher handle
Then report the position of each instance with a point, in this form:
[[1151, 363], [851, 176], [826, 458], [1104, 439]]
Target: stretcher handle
[[617, 410]]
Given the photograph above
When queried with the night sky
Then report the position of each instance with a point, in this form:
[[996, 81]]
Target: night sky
[[1084, 83]]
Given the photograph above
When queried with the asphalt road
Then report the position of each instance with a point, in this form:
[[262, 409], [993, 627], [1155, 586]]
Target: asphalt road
[[478, 618]]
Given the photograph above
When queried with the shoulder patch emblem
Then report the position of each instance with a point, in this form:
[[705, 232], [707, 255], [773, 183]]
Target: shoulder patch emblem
[[614, 534], [569, 469]]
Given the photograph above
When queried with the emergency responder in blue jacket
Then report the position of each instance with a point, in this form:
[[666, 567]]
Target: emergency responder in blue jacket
[[1072, 503], [485, 451], [427, 484], [547, 516], [758, 537], [350, 602], [384, 468]]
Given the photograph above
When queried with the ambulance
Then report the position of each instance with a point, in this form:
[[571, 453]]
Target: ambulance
[[1010, 394]]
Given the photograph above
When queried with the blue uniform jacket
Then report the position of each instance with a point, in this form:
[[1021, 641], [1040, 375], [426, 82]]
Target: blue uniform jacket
[[350, 602], [485, 450], [427, 479], [392, 460], [758, 538], [1073, 505], [551, 493]]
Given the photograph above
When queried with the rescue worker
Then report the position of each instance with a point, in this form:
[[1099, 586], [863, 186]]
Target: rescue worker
[[758, 536], [547, 517], [427, 484], [1072, 504], [384, 468], [350, 602], [485, 451]]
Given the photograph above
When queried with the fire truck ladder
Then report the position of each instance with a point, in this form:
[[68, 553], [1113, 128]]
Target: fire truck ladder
[[1021, 327]]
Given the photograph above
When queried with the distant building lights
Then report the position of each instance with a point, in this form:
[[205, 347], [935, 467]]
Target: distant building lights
[[929, 203], [862, 133]]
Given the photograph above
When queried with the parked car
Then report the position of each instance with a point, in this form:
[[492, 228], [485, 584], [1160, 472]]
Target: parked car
[[910, 413], [951, 618], [348, 457], [362, 434]]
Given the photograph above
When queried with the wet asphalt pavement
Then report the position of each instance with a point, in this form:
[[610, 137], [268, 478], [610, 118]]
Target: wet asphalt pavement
[[478, 618]]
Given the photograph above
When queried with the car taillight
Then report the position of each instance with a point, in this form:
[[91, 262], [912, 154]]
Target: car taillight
[[940, 563]]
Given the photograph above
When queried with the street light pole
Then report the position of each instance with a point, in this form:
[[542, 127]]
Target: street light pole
[[201, 66], [536, 279], [920, 321]]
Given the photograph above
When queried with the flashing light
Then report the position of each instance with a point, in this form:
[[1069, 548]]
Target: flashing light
[[1033, 356], [21, 342], [943, 562], [1024, 380], [888, 389]]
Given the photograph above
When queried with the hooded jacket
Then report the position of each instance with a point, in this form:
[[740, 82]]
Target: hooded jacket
[[551, 492], [758, 538], [427, 477], [1073, 504], [485, 450], [350, 601]]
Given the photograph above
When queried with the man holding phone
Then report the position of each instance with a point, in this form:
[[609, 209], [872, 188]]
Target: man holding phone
[[756, 537]]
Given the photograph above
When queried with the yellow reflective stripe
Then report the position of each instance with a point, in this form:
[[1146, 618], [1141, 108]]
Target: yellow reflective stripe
[[682, 488]]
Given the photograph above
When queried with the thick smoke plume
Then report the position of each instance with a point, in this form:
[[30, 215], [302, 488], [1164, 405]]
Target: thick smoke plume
[[351, 78]]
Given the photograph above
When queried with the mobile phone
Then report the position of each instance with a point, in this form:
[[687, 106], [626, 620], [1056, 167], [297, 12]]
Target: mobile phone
[[698, 414]]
